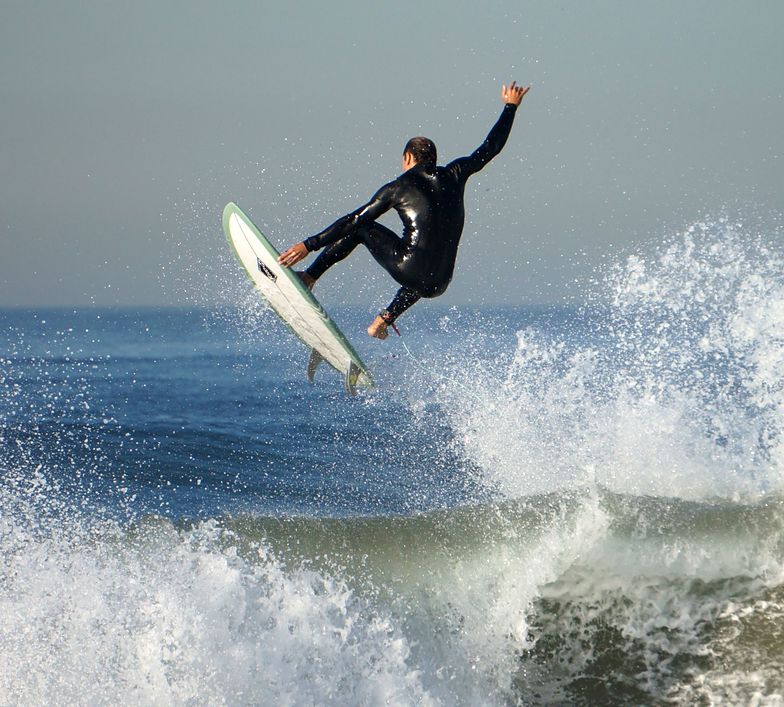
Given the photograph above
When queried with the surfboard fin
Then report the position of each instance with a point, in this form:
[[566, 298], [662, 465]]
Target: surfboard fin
[[352, 373], [352, 376], [313, 363]]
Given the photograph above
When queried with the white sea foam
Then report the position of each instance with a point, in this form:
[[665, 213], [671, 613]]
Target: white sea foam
[[181, 618], [94, 613]]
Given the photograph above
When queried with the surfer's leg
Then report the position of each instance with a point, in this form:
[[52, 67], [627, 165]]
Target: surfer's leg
[[306, 279], [382, 242], [384, 245], [332, 254], [404, 298], [388, 251]]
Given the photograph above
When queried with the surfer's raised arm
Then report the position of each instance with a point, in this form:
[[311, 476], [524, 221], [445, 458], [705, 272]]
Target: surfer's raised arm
[[464, 167]]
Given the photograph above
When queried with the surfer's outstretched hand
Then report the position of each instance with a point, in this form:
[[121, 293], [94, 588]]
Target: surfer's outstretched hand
[[293, 255], [514, 94]]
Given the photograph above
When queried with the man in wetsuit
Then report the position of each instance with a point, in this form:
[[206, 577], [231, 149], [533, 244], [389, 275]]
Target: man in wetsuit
[[429, 201]]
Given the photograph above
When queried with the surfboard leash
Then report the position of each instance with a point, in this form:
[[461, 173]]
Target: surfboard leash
[[432, 372], [387, 317]]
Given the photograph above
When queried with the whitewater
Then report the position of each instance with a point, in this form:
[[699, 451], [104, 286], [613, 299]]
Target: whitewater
[[578, 505]]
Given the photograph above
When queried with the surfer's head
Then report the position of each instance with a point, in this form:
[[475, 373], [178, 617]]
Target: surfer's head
[[419, 150]]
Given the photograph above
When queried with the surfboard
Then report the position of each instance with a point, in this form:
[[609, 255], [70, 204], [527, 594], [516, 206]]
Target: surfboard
[[282, 289]]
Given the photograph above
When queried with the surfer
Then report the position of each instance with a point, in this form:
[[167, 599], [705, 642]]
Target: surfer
[[429, 201]]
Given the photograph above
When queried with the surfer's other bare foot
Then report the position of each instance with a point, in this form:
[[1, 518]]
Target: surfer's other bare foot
[[378, 329], [306, 279]]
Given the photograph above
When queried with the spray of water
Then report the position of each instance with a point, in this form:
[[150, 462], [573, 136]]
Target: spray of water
[[671, 386]]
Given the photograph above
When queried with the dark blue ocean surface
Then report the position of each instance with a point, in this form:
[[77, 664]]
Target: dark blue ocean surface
[[193, 415], [565, 505]]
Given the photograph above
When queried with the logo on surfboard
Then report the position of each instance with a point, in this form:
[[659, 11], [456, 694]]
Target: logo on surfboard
[[264, 270]]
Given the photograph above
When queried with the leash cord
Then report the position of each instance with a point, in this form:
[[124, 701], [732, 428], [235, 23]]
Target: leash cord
[[433, 373]]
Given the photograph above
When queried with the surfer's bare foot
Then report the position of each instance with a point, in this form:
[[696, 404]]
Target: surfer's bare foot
[[306, 279], [378, 329]]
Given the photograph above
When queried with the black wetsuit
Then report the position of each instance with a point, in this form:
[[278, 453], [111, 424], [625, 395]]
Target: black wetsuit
[[429, 201]]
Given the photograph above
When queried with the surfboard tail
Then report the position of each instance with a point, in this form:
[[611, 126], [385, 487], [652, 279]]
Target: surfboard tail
[[351, 378]]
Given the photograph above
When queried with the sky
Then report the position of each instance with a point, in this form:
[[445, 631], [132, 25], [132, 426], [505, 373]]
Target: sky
[[126, 127]]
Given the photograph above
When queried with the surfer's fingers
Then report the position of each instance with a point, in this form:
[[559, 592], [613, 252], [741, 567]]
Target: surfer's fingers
[[286, 257]]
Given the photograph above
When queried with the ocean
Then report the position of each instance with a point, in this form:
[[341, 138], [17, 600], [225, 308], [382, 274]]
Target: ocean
[[575, 504]]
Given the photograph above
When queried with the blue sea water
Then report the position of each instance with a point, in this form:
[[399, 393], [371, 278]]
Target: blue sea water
[[563, 505]]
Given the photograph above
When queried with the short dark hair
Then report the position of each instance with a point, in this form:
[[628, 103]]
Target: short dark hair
[[423, 150]]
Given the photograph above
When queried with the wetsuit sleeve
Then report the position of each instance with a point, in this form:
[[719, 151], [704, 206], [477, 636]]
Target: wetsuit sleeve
[[404, 298], [464, 167], [380, 203]]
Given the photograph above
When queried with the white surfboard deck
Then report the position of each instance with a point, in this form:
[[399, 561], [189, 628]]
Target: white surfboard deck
[[282, 289]]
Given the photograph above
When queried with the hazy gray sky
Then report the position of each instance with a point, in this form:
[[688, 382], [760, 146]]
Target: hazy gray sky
[[125, 127]]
